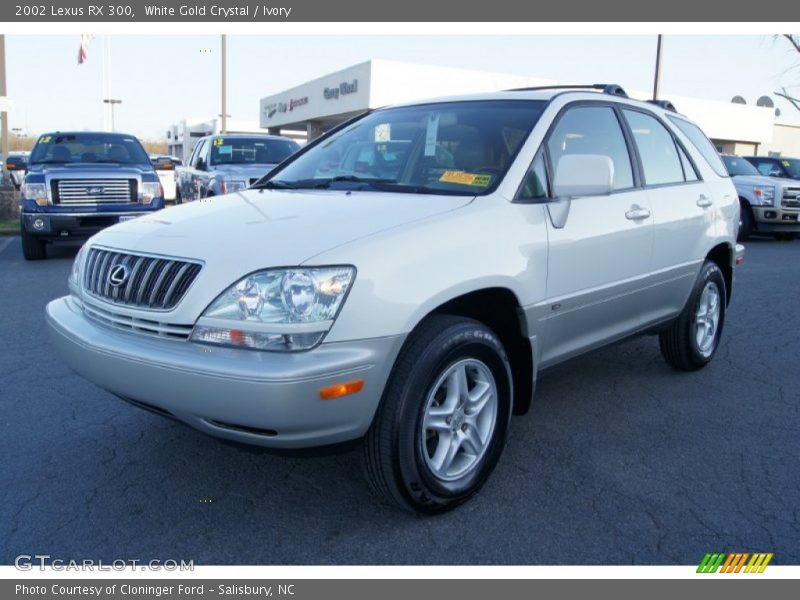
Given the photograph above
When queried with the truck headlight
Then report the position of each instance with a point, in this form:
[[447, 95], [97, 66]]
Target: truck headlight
[[276, 309], [150, 191], [765, 195], [229, 187], [36, 192]]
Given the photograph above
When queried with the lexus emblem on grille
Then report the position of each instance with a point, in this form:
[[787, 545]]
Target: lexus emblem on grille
[[118, 275], [95, 191]]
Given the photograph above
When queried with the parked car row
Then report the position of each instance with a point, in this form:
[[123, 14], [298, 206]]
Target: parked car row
[[769, 194]]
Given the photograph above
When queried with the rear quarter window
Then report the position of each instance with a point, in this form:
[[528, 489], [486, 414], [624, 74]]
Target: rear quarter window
[[702, 143]]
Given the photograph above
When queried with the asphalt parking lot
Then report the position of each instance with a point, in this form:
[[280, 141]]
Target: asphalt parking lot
[[621, 460]]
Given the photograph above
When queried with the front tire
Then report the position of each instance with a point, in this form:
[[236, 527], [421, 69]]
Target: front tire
[[443, 420], [33, 248], [691, 341]]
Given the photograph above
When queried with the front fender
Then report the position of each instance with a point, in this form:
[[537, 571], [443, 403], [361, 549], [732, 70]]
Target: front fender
[[406, 273]]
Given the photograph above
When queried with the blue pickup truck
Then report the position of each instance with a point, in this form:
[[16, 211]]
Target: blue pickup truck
[[79, 182]]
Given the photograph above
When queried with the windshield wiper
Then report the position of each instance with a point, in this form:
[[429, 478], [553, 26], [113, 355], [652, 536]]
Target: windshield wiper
[[275, 184], [322, 184]]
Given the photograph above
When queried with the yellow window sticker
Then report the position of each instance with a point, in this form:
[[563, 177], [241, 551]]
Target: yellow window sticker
[[218, 141], [465, 178], [786, 163], [45, 140]]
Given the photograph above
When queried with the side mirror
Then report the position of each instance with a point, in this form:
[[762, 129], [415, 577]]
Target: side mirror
[[200, 165], [583, 175]]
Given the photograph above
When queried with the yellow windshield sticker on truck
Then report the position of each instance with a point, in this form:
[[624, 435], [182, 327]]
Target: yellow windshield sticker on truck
[[786, 163], [465, 178], [45, 140], [218, 141]]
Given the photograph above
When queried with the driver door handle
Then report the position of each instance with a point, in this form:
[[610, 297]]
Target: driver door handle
[[637, 213], [704, 201]]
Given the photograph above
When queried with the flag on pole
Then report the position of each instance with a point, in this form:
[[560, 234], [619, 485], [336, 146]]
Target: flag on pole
[[84, 47]]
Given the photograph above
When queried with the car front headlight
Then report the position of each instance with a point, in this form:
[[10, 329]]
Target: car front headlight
[[276, 309], [36, 192], [230, 187], [75, 274], [765, 195], [150, 191]]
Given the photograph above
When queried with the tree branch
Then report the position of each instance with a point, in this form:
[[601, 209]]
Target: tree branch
[[793, 40], [791, 99]]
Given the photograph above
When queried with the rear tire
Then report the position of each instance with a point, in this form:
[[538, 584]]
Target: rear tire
[[746, 222], [443, 419], [33, 248], [691, 341]]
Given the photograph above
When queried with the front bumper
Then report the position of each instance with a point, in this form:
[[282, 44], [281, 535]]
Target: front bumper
[[78, 225], [262, 398], [772, 219]]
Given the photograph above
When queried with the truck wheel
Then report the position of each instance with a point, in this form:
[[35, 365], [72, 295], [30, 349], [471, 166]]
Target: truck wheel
[[745, 221], [691, 341], [33, 248], [443, 420]]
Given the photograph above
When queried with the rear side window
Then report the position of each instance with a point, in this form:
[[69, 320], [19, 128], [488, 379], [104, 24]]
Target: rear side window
[[593, 130], [702, 143], [657, 149]]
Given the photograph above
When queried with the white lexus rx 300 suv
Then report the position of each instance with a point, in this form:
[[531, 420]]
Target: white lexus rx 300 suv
[[402, 280]]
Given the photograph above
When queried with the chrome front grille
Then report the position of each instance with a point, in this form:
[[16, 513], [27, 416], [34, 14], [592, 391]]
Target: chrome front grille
[[791, 197], [148, 282], [144, 326], [94, 191]]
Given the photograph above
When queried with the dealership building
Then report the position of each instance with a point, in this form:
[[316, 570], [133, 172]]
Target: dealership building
[[310, 109]]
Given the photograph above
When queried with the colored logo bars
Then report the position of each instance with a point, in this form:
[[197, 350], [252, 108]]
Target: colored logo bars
[[734, 562]]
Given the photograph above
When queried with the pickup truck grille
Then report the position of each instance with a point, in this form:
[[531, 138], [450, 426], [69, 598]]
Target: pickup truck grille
[[94, 191], [791, 197], [147, 282]]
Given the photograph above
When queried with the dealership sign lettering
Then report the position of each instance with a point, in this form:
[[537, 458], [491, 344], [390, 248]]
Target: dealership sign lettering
[[282, 107], [344, 88]]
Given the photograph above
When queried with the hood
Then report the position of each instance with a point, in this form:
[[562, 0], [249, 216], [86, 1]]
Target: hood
[[244, 172], [764, 180], [239, 233], [97, 169]]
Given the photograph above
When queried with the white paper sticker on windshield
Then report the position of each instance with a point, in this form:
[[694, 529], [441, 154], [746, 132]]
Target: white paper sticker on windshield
[[431, 132]]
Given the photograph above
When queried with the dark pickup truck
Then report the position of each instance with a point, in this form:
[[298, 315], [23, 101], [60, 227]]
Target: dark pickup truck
[[78, 183]]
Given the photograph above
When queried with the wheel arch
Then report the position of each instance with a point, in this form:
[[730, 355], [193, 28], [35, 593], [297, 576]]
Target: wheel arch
[[722, 256], [500, 310]]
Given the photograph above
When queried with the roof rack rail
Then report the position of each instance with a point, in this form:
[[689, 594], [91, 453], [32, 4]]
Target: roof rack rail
[[607, 88], [665, 104]]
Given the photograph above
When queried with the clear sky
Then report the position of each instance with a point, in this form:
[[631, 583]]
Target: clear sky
[[163, 79]]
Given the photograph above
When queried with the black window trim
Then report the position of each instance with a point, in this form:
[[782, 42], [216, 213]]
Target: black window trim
[[675, 140]]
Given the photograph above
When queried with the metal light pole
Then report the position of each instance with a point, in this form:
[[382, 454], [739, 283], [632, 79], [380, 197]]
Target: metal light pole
[[657, 80], [112, 102], [224, 127], [3, 115]]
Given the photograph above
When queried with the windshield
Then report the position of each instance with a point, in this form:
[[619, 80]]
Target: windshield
[[89, 148], [462, 148], [255, 151], [739, 166], [792, 166]]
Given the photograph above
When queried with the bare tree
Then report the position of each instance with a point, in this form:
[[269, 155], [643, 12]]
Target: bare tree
[[794, 40]]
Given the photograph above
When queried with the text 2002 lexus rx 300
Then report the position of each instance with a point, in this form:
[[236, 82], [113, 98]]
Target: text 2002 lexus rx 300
[[403, 279]]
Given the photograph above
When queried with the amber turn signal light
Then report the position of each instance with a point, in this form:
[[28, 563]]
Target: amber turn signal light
[[341, 389]]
